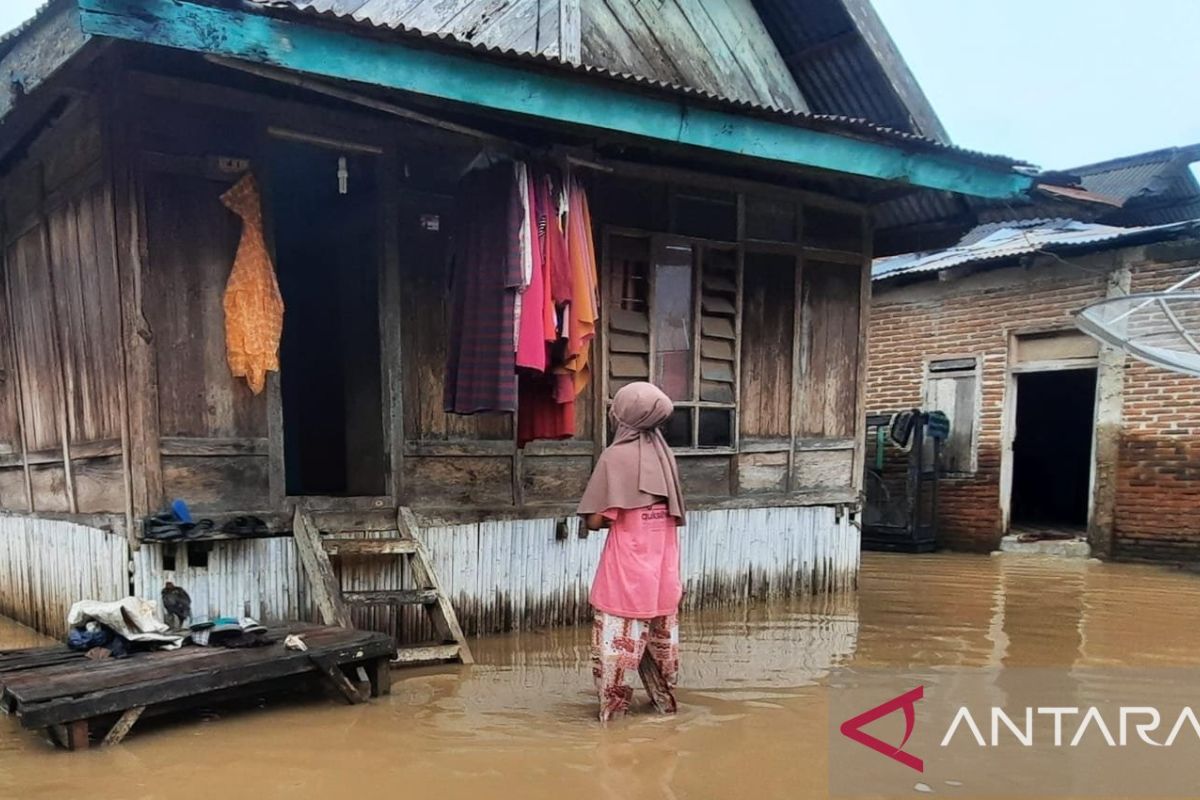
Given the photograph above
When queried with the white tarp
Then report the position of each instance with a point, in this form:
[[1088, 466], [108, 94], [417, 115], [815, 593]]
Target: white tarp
[[136, 619]]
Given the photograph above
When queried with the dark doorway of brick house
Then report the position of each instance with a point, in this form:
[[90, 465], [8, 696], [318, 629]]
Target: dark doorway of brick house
[[1052, 450]]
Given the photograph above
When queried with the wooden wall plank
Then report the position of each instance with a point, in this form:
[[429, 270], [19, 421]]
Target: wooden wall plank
[[41, 373], [140, 376], [767, 318], [706, 476], [465, 481], [10, 423], [763, 472], [218, 483], [191, 242], [555, 479], [830, 349], [87, 300]]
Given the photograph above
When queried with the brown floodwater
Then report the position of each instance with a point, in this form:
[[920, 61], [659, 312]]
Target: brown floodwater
[[753, 696]]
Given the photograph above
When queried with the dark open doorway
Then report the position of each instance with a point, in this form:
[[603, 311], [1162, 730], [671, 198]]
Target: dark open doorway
[[1052, 451], [325, 227]]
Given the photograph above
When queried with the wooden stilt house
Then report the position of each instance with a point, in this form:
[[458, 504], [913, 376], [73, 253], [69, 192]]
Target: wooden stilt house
[[734, 214]]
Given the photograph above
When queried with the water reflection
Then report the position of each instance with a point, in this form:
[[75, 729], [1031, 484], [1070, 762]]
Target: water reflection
[[753, 696]]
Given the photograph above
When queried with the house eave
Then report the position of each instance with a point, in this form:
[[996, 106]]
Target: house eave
[[511, 86]]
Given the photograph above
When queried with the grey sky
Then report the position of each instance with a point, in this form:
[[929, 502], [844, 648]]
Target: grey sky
[[1055, 82]]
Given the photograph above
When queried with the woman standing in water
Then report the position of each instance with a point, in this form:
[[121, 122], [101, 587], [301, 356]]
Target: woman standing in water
[[634, 492]]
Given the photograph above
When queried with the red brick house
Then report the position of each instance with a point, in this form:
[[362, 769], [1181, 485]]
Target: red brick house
[[1049, 428]]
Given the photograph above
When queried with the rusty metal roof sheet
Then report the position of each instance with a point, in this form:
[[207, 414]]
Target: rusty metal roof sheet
[[1005, 240]]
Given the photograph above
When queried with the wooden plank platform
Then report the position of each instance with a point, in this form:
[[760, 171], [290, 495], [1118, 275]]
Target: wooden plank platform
[[59, 690]]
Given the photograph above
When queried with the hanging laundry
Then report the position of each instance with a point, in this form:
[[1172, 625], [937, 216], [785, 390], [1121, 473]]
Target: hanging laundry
[[525, 241], [539, 415], [531, 339], [584, 309], [487, 274], [550, 221], [253, 303]]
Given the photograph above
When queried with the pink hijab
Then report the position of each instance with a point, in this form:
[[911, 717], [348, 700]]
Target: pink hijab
[[638, 469]]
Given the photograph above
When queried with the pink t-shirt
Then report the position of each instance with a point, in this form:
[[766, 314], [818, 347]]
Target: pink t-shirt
[[638, 576]]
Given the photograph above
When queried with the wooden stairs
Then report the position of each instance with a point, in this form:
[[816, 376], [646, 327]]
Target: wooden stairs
[[334, 604]]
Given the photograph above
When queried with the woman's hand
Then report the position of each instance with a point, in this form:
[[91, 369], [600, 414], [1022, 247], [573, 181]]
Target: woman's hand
[[596, 522]]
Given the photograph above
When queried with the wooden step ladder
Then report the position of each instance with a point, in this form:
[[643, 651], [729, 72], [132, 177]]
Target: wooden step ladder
[[334, 604]]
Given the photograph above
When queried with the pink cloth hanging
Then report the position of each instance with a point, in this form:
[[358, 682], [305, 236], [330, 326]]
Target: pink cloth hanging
[[531, 338]]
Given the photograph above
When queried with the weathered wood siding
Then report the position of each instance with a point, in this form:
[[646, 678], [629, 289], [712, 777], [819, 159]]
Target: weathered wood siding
[[514, 574], [718, 46], [62, 407], [47, 565], [211, 429]]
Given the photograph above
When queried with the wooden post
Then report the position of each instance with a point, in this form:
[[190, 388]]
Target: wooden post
[[109, 143], [141, 371], [77, 735], [380, 674], [17, 373], [860, 376]]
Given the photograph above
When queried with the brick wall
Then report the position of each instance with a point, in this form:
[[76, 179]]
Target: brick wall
[[1158, 473], [1158, 484]]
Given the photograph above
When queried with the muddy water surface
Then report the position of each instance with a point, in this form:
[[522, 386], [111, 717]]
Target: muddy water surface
[[753, 697]]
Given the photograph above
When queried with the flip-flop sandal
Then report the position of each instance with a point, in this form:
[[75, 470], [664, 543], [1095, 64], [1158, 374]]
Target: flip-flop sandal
[[245, 526], [198, 529], [161, 530]]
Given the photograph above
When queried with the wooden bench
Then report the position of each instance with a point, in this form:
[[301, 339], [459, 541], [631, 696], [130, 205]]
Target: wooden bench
[[60, 690]]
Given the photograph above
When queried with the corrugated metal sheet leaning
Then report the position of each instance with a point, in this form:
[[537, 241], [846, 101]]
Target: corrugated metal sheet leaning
[[46, 565], [513, 574]]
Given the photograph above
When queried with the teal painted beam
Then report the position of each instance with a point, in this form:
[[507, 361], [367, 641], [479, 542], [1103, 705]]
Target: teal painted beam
[[519, 89]]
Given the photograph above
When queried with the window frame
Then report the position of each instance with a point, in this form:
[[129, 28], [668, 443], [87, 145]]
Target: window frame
[[975, 371], [700, 248]]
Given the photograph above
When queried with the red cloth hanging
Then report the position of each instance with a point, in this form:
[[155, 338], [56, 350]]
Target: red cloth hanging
[[539, 415]]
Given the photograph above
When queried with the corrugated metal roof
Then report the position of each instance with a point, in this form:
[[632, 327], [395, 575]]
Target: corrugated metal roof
[[8, 38], [1158, 173], [998, 241], [840, 54], [335, 10]]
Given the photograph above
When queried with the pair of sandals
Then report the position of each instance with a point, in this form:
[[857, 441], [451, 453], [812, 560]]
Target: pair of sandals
[[169, 527]]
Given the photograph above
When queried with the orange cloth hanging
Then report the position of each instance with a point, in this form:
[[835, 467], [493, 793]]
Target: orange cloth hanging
[[581, 254], [253, 304]]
